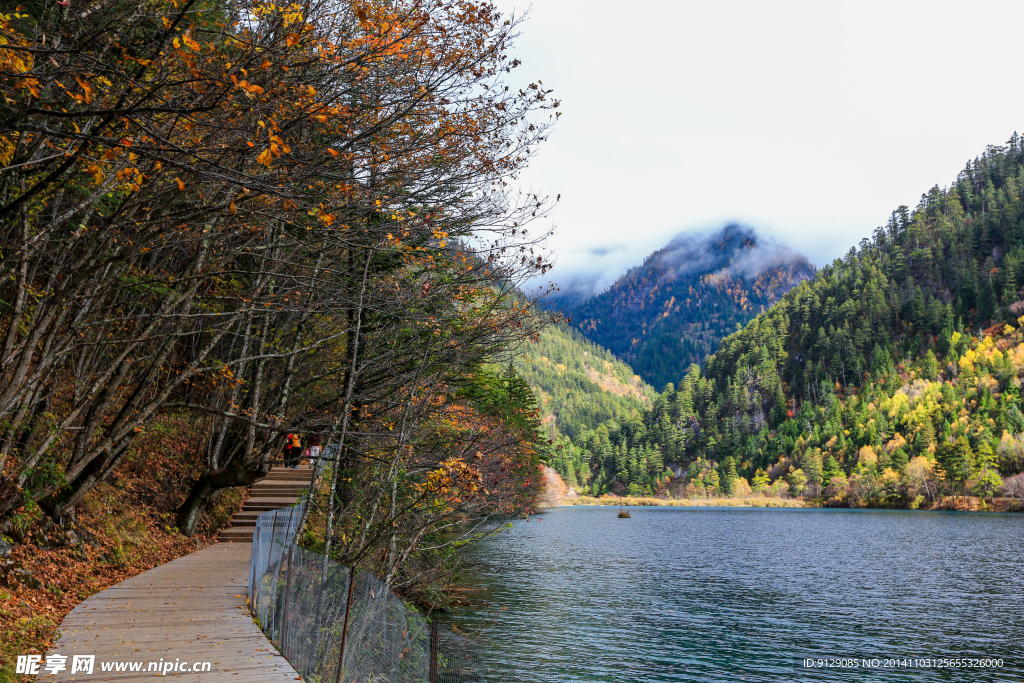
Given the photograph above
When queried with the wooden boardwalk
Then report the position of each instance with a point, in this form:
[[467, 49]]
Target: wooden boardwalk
[[189, 610], [192, 609]]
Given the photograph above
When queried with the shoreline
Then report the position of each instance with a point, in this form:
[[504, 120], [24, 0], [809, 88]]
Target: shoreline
[[643, 501], [945, 504]]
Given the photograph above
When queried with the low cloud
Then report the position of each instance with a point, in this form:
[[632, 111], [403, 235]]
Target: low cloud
[[605, 251], [752, 262], [734, 251]]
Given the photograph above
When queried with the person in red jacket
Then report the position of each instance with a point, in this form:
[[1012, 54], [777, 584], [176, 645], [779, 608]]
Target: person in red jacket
[[292, 451]]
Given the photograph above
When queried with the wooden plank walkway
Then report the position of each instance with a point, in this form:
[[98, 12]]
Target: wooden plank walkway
[[191, 609]]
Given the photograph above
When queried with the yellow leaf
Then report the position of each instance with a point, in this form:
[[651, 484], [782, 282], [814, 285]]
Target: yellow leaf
[[177, 42], [265, 158], [191, 43]]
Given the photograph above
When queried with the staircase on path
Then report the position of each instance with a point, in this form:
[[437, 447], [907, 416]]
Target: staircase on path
[[190, 613], [281, 488]]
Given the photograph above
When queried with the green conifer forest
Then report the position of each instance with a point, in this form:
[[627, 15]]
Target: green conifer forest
[[890, 378]]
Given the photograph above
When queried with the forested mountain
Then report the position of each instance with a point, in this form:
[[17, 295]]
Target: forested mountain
[[891, 376], [580, 385], [674, 309]]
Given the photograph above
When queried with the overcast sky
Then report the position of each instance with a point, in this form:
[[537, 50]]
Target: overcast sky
[[809, 121]]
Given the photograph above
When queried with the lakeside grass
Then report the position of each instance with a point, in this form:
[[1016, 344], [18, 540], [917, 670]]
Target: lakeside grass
[[750, 502]]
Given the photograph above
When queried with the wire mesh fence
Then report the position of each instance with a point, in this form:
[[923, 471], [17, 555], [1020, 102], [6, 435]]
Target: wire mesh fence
[[338, 626]]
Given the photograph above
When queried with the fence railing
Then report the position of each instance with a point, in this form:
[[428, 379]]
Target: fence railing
[[338, 626]]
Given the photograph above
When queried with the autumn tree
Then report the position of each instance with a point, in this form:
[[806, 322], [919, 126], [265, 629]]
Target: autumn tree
[[278, 218]]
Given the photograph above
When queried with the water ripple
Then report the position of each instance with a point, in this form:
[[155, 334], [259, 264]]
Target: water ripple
[[704, 594]]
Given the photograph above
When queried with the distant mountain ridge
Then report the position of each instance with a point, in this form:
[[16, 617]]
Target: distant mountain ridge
[[676, 307]]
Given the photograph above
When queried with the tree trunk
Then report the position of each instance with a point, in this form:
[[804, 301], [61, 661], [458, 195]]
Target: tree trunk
[[235, 474]]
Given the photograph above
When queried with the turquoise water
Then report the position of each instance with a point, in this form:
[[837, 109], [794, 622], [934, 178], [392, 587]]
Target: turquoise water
[[714, 594]]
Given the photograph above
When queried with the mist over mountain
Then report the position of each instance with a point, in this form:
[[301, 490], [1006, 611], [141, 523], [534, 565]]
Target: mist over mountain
[[674, 309]]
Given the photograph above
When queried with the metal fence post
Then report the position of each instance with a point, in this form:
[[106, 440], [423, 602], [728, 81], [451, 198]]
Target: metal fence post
[[272, 615], [287, 590], [433, 651], [252, 572], [344, 628]]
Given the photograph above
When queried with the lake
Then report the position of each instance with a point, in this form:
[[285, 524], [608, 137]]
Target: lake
[[748, 594]]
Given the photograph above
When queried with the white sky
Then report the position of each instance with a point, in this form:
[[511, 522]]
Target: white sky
[[809, 121]]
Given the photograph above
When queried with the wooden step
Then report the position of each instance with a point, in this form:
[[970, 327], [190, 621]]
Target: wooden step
[[281, 488], [236, 535], [304, 476], [289, 495], [264, 505], [282, 482], [281, 500], [285, 487], [285, 493], [246, 514]]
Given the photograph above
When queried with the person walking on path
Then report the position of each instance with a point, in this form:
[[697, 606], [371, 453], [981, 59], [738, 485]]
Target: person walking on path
[[314, 449], [292, 451]]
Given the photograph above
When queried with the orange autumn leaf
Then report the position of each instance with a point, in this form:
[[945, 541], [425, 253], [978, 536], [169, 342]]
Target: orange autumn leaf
[[181, 185], [250, 88]]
